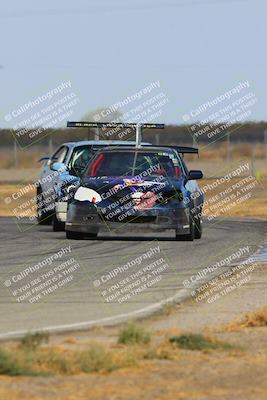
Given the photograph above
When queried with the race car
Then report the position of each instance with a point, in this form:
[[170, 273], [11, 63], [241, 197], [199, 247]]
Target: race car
[[60, 172], [145, 187]]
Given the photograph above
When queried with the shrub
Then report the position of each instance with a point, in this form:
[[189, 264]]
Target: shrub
[[197, 342], [9, 366], [95, 359], [133, 334], [33, 340]]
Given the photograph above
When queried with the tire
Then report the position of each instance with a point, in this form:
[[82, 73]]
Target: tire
[[198, 228], [189, 237], [43, 217], [74, 235], [57, 225]]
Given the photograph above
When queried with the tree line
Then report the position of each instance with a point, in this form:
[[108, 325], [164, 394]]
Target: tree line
[[249, 132]]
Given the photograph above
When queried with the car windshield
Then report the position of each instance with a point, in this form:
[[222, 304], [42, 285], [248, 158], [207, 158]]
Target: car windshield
[[80, 157], [134, 163]]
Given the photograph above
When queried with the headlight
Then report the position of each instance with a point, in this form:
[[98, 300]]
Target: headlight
[[86, 194]]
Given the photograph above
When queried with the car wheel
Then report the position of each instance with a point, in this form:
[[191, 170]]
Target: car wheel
[[198, 227], [57, 225], [43, 217], [74, 235]]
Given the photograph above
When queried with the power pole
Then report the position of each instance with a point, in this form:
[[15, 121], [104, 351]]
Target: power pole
[[228, 147], [265, 143], [15, 154], [253, 170], [194, 140], [50, 148], [97, 134], [138, 135]]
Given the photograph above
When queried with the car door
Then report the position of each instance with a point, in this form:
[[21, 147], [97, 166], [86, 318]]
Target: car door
[[51, 178]]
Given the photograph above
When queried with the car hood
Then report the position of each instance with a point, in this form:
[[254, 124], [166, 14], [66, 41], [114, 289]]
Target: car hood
[[113, 187], [129, 181]]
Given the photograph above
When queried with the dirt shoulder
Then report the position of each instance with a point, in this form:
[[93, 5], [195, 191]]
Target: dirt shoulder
[[197, 314], [237, 371]]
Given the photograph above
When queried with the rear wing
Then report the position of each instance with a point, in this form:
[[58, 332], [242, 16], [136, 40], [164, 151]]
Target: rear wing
[[84, 124], [180, 149], [138, 127], [185, 150]]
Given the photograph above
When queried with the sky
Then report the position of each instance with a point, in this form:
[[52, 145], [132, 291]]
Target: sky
[[111, 49]]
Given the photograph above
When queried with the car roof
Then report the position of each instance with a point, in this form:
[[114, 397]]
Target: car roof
[[102, 143]]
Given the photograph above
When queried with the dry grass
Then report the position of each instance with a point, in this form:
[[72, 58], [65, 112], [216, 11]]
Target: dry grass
[[50, 360], [161, 370], [25, 158], [237, 151], [255, 206], [253, 319], [70, 340], [257, 318], [35, 357], [8, 210]]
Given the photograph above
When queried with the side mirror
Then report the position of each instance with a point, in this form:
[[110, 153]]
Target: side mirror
[[194, 174], [58, 166]]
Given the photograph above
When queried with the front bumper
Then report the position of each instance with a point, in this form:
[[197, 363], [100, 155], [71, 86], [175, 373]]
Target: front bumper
[[86, 218]]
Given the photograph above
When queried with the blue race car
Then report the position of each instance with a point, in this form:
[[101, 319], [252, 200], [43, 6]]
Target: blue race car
[[146, 187]]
